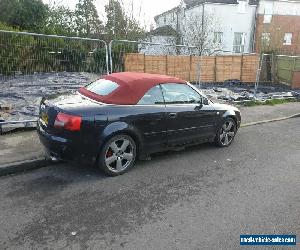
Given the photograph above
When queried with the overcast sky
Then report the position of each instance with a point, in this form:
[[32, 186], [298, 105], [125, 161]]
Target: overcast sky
[[149, 8]]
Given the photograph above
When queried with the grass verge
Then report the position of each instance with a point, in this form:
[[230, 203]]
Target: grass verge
[[271, 102]]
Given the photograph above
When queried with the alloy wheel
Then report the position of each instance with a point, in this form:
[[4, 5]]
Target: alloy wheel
[[119, 155], [227, 133]]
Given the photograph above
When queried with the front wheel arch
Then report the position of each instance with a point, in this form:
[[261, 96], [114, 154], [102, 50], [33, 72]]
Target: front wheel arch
[[234, 118]]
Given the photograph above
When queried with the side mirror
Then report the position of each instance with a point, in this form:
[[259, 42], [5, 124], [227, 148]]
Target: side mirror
[[200, 104], [205, 101]]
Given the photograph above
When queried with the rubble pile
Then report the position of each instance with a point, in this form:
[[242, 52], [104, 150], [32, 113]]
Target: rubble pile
[[235, 94], [20, 96]]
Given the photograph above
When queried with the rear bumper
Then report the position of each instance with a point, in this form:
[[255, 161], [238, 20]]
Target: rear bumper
[[64, 149]]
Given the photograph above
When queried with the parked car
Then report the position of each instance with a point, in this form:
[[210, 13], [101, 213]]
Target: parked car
[[121, 117]]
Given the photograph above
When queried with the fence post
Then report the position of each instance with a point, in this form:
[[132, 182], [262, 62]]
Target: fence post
[[106, 58], [190, 68], [144, 63], [110, 56], [166, 64], [272, 68], [215, 69], [258, 74], [293, 71], [242, 64]]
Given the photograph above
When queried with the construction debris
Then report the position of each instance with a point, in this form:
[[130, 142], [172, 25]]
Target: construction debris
[[20, 96]]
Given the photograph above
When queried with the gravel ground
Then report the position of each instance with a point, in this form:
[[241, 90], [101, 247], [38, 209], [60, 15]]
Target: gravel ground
[[20, 96]]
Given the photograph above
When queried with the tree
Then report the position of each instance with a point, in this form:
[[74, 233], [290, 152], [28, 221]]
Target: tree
[[199, 31], [116, 21], [120, 25], [61, 21], [133, 29], [271, 39], [87, 20], [25, 14]]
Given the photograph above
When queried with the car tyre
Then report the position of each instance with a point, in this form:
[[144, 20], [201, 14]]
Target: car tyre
[[118, 155], [226, 133]]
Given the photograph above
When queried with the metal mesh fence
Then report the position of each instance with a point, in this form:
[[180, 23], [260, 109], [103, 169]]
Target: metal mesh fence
[[36, 65], [24, 53], [120, 48]]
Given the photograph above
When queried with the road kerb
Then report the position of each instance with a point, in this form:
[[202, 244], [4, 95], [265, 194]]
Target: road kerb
[[21, 166], [271, 120]]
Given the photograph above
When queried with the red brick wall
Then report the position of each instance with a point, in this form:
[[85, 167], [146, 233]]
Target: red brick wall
[[277, 28]]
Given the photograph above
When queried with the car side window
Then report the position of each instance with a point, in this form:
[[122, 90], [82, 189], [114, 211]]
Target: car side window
[[152, 97], [176, 93]]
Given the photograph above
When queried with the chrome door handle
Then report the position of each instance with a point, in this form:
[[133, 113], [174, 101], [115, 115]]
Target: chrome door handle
[[172, 115]]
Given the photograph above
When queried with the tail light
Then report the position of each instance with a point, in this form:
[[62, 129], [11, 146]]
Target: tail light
[[68, 122]]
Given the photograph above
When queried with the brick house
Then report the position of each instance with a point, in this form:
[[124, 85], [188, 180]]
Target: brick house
[[278, 27]]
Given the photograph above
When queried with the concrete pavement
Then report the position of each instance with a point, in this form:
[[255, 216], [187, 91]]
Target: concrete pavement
[[20, 146], [23, 150], [266, 112], [200, 198]]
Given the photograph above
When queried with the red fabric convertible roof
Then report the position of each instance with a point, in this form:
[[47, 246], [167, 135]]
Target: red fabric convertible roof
[[132, 87]]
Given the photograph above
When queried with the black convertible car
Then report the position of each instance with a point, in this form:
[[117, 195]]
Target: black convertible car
[[125, 116]]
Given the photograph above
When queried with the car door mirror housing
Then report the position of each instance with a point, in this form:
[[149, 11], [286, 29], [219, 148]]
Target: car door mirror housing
[[204, 101]]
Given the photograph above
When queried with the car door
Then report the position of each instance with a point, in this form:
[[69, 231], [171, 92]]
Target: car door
[[189, 118], [151, 120]]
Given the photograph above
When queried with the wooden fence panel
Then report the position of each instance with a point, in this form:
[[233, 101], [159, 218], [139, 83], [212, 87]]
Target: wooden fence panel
[[228, 67], [249, 69], [285, 69], [135, 62], [213, 68], [156, 64], [179, 66], [207, 73]]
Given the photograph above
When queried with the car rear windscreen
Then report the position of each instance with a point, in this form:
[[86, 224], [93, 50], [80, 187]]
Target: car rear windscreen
[[102, 87]]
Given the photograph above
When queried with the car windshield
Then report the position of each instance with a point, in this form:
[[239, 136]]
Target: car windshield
[[180, 93], [102, 87]]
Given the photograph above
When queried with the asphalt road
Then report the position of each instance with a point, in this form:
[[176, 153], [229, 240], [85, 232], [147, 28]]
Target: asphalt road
[[200, 198]]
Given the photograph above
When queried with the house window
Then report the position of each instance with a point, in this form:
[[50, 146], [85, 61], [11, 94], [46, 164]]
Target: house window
[[265, 39], [267, 18], [242, 6], [239, 42], [287, 40], [268, 12], [174, 16], [218, 37]]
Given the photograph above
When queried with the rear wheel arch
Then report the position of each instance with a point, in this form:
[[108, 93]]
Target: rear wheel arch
[[114, 146], [120, 128], [134, 137]]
